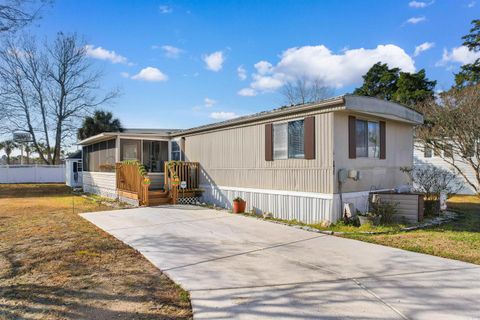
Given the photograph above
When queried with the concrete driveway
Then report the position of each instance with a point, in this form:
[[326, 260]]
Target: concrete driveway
[[237, 267]]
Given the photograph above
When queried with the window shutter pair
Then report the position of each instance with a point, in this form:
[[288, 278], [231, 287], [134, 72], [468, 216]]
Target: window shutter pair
[[309, 139], [352, 141]]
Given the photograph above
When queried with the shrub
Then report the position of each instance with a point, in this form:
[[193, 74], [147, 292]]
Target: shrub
[[385, 210], [432, 181]]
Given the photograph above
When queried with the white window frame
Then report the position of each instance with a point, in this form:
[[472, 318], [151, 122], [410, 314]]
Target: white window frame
[[273, 138], [367, 145]]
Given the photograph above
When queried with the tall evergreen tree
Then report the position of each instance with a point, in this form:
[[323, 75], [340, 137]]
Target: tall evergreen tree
[[469, 73], [391, 84], [380, 82], [413, 88]]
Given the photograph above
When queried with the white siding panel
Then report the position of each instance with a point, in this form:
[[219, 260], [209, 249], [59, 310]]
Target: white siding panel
[[101, 183], [282, 205], [465, 188]]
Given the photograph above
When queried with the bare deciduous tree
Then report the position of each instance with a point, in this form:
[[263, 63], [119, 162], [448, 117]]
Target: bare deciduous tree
[[15, 14], [47, 90], [302, 90], [452, 125]]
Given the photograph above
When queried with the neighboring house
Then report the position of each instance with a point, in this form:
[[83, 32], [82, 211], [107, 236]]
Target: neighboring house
[[286, 161], [427, 156], [73, 169]]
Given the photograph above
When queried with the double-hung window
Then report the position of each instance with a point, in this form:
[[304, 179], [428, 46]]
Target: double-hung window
[[288, 140], [175, 151], [367, 135]]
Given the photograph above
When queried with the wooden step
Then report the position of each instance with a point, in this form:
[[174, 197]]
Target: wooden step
[[158, 194], [159, 201]]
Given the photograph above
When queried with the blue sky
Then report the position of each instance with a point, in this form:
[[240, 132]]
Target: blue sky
[[185, 63]]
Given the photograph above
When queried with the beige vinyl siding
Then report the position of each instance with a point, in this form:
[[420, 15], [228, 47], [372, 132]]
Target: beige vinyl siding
[[375, 173], [406, 206], [235, 157]]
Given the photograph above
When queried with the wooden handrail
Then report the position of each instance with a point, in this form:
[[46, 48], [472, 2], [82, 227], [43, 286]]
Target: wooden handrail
[[129, 179], [178, 171]]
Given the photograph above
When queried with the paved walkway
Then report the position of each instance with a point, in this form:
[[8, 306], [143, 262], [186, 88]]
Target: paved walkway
[[237, 267]]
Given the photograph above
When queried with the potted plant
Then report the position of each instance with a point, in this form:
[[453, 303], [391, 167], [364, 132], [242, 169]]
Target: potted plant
[[368, 217], [238, 205], [175, 181], [146, 181]]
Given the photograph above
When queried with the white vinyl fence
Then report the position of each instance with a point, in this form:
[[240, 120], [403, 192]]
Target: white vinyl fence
[[32, 174]]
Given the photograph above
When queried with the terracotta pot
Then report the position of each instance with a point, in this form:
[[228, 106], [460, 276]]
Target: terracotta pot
[[239, 206]]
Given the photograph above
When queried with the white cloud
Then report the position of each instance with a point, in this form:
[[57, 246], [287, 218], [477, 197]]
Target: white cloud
[[242, 73], [423, 47], [165, 9], [171, 51], [319, 63], [125, 74], [104, 54], [415, 20], [417, 4], [247, 92], [209, 102], [150, 74], [458, 55], [472, 4], [223, 115], [214, 61]]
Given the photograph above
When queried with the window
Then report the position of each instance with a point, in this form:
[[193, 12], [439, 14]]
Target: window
[[447, 151], [288, 140], [176, 151], [130, 149], [427, 152], [99, 157], [367, 136], [155, 153]]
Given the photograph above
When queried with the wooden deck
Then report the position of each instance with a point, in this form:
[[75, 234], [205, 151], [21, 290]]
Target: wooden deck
[[181, 180]]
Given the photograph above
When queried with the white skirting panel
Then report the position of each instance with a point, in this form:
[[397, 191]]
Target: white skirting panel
[[288, 205], [101, 183], [359, 200]]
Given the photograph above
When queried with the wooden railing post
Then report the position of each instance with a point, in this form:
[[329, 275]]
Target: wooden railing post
[[174, 194], [146, 200]]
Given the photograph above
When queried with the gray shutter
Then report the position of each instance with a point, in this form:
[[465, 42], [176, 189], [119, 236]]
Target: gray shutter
[[352, 143], [383, 151], [309, 137], [268, 142]]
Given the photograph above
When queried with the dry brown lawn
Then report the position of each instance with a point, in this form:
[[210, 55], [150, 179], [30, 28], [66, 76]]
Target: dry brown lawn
[[56, 265]]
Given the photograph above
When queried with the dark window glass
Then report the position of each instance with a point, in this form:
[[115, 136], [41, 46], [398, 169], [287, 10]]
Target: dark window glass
[[427, 152], [447, 151], [176, 152], [361, 138], [130, 149], [99, 157], [85, 157], [155, 153], [288, 140], [296, 139], [280, 141], [367, 136]]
